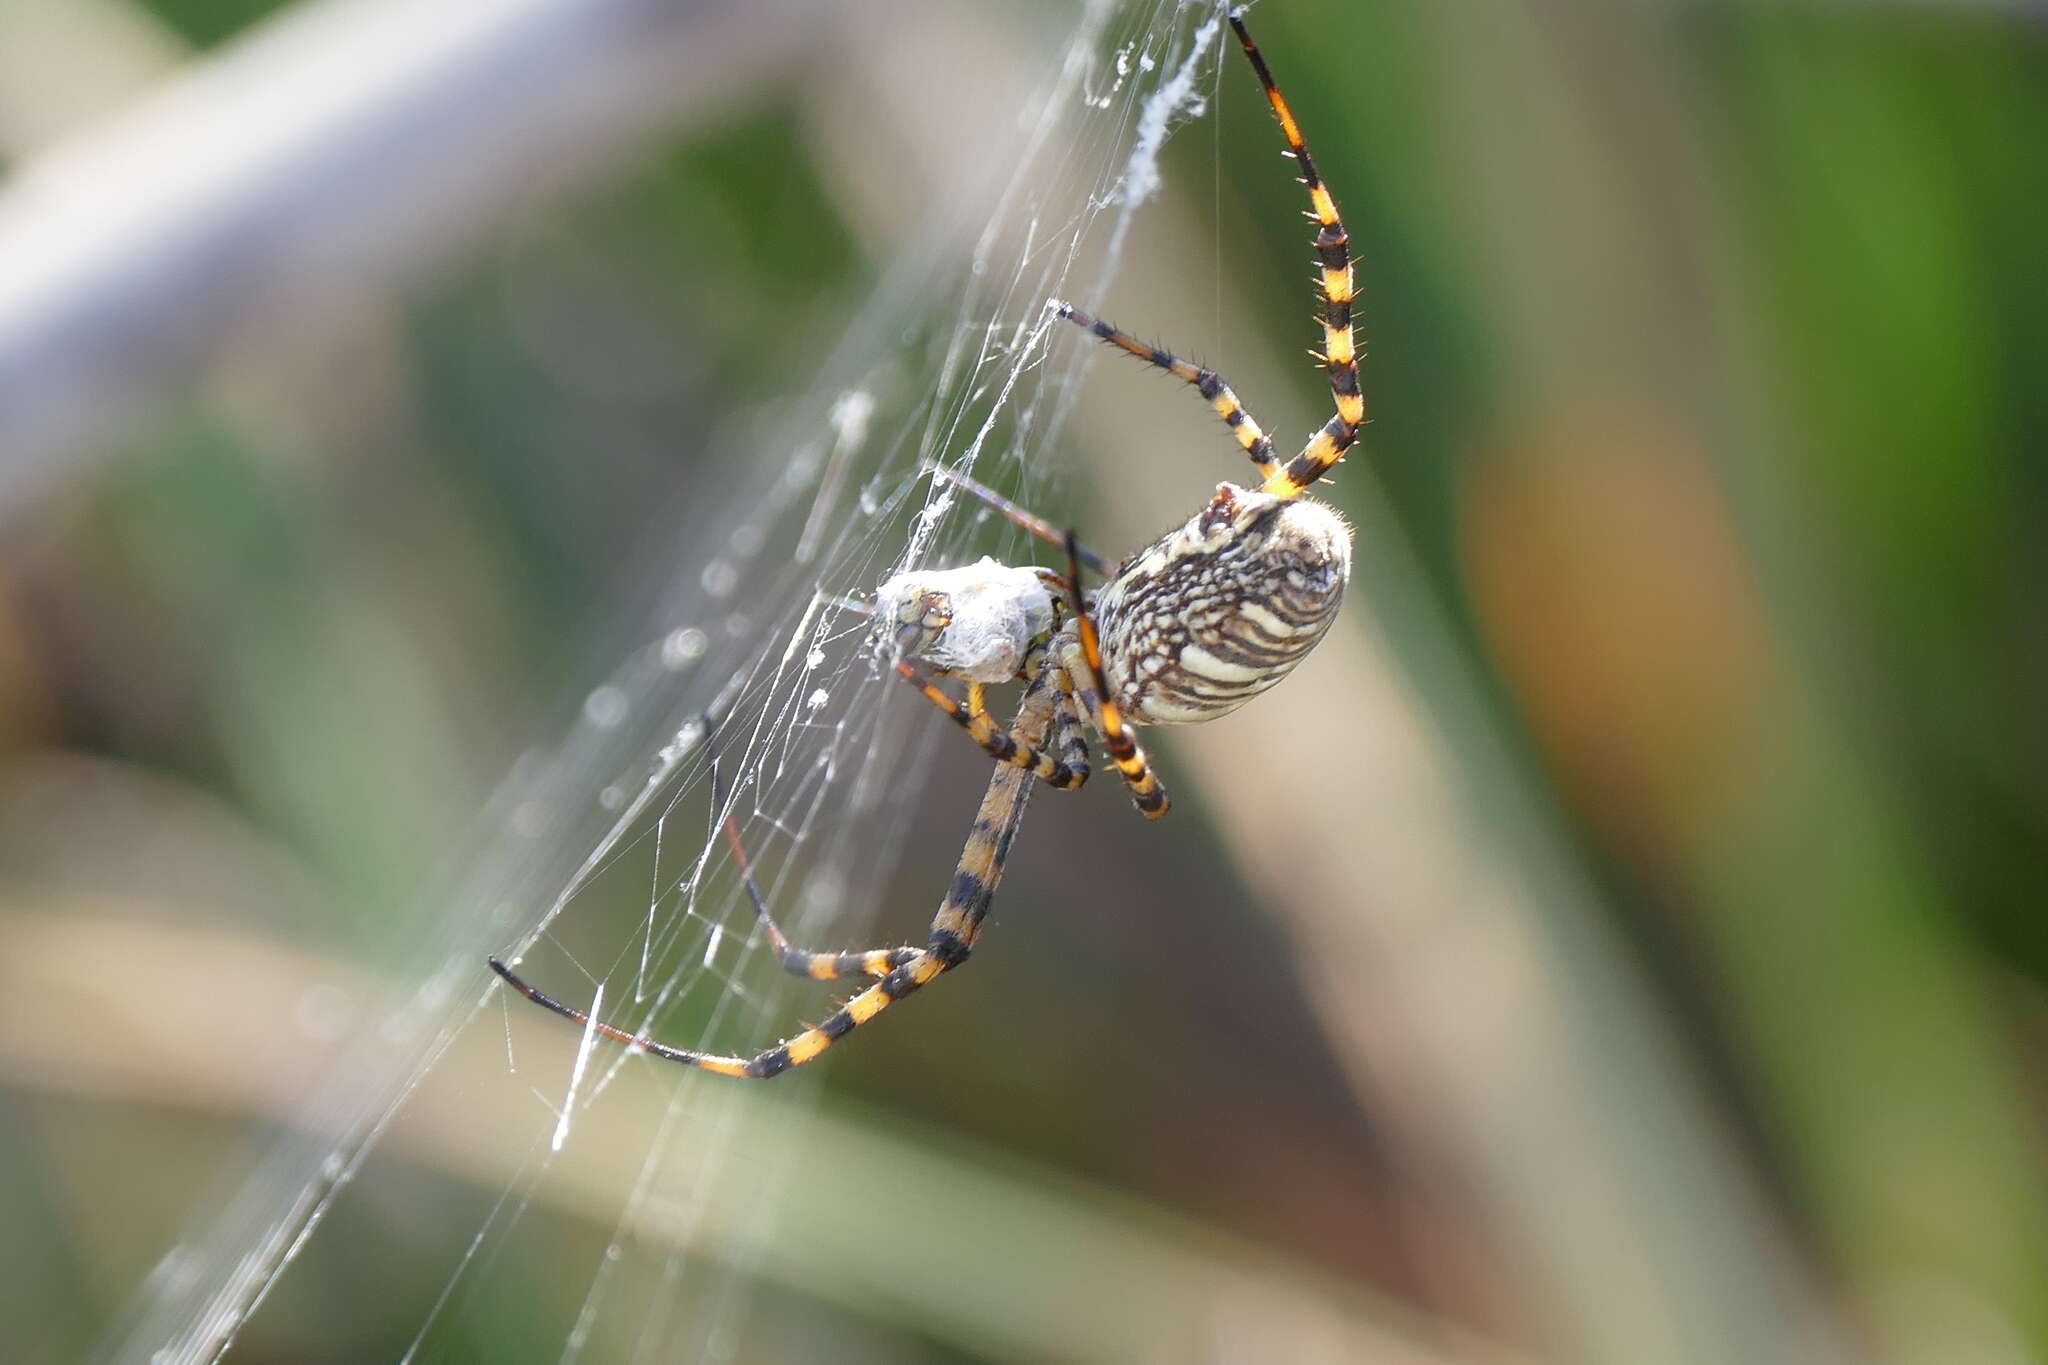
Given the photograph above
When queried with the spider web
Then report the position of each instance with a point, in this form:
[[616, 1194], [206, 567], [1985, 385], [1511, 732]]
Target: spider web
[[752, 694]]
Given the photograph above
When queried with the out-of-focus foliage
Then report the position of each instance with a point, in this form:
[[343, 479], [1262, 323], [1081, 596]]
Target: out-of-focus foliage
[[1706, 349]]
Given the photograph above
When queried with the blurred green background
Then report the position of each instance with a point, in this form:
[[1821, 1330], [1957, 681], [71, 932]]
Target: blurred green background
[[1705, 346]]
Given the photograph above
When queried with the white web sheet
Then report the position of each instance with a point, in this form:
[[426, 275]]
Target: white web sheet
[[602, 865]]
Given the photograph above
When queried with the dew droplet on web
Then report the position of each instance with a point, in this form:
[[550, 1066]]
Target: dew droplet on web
[[683, 647], [823, 894], [687, 738], [850, 414], [606, 706], [530, 819], [720, 578]]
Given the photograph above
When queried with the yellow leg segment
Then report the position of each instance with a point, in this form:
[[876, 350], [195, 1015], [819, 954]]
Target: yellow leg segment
[[1001, 745], [1333, 249]]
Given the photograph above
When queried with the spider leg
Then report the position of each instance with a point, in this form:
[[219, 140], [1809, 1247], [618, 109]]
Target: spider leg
[[802, 961], [1333, 249], [796, 961], [957, 925], [954, 930], [1080, 656], [903, 980], [1250, 435], [1036, 525], [1068, 736], [1011, 746]]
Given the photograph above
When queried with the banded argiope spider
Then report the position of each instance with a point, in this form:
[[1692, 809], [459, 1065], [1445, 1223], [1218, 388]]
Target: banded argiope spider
[[1189, 629]]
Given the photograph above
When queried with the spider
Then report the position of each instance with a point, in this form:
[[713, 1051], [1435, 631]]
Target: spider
[[1210, 615]]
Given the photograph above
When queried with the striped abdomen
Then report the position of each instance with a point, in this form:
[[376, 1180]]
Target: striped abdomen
[[1224, 607]]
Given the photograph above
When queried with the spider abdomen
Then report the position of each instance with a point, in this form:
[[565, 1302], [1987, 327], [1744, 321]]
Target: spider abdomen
[[1221, 609]]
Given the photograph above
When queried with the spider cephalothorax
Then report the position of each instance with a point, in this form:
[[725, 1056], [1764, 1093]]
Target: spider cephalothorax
[[1188, 629], [985, 623]]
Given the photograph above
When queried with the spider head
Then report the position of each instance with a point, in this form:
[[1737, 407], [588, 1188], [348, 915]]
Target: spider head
[[1222, 608], [985, 622]]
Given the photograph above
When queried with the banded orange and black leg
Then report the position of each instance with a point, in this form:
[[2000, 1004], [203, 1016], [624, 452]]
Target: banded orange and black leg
[[804, 962], [796, 961], [899, 982], [1208, 383], [1081, 659], [954, 929], [1016, 515], [1004, 746], [1333, 253]]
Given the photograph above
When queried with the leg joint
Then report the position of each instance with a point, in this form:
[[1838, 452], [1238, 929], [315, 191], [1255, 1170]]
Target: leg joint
[[949, 948]]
